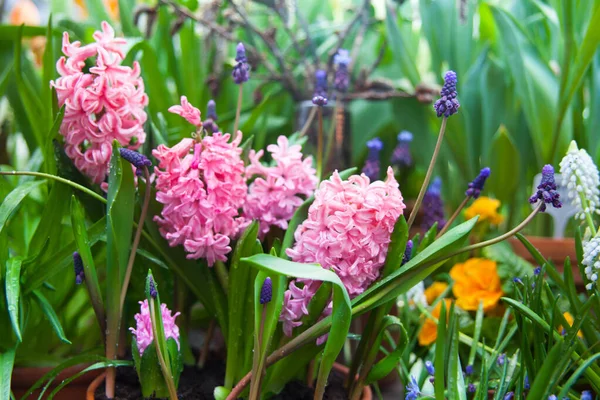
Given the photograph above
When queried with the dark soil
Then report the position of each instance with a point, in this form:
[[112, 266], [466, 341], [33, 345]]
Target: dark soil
[[198, 384]]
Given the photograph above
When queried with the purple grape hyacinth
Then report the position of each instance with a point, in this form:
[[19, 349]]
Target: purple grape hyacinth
[[546, 190], [341, 80], [433, 206], [372, 168], [139, 161], [78, 268], [320, 95], [401, 155], [152, 287], [241, 71], [406, 258], [266, 292], [210, 123], [448, 103], [476, 186]]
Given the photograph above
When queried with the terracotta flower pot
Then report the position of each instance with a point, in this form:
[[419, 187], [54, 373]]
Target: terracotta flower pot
[[556, 250], [25, 377], [91, 390]]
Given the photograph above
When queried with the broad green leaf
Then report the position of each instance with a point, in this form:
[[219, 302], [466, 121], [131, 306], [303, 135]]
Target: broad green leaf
[[50, 314], [239, 283], [97, 11], [89, 266], [341, 314], [13, 199], [540, 385], [504, 181], [13, 289], [11, 32], [48, 74], [384, 366], [7, 361], [126, 15], [400, 48], [4, 78]]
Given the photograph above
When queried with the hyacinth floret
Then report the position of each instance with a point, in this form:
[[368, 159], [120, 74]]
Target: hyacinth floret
[[341, 80], [241, 71], [433, 206], [546, 190], [102, 104], [320, 94], [580, 176], [266, 292], [202, 188], [210, 123], [401, 155], [348, 231], [372, 167], [138, 160], [591, 260], [187, 111], [476, 186], [278, 190], [78, 268], [143, 330], [448, 103]]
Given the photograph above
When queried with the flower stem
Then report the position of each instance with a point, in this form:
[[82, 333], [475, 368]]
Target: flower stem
[[222, 275], [136, 242], [438, 145], [161, 359], [311, 116], [257, 363], [58, 179], [453, 217], [238, 110], [206, 346], [320, 145]]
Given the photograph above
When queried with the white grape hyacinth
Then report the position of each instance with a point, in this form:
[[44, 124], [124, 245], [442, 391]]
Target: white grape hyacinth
[[591, 250], [415, 295], [580, 177]]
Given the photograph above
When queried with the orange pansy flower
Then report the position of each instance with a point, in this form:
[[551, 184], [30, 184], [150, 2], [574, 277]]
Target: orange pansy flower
[[434, 291], [428, 332], [476, 280]]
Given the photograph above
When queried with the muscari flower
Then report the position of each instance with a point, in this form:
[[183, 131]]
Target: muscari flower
[[278, 190], [320, 95], [476, 186], [429, 368], [448, 104], [591, 260], [352, 242], [143, 330], [537, 270], [201, 192], [266, 292], [433, 206], [407, 252], [78, 268], [586, 395], [469, 370], [341, 80], [152, 287], [580, 176], [401, 156], [526, 384], [552, 397], [210, 123], [102, 104], [412, 389], [139, 161], [241, 71], [471, 388], [501, 359], [371, 167], [546, 190], [518, 280], [509, 396]]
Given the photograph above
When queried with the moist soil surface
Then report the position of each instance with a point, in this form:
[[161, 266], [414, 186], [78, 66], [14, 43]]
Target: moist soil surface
[[199, 384]]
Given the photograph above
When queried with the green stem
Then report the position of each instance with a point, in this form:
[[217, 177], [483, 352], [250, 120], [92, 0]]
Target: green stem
[[222, 275], [438, 145], [58, 179], [308, 121], [257, 362], [453, 217], [136, 242], [238, 110], [161, 359], [320, 145]]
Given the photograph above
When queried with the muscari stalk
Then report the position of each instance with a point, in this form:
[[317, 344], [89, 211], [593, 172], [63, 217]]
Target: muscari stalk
[[241, 74], [258, 365]]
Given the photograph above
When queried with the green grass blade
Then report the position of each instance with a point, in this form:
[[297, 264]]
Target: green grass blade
[[7, 361], [50, 314], [13, 289], [440, 346], [13, 199]]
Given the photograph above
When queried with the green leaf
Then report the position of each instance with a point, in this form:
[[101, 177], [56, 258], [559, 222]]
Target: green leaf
[[573, 379], [89, 266], [13, 199], [400, 48], [7, 361], [341, 314], [13, 289], [540, 385], [126, 16], [12, 32], [48, 74], [239, 282], [440, 346], [388, 363], [97, 11], [396, 248], [456, 383], [48, 311], [505, 179]]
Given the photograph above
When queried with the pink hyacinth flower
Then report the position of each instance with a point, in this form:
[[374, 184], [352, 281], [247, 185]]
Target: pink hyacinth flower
[[202, 188], [143, 330], [348, 231], [187, 111], [277, 191], [101, 105]]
